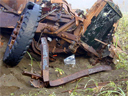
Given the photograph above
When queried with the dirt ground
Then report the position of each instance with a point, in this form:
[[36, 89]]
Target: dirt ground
[[13, 83]]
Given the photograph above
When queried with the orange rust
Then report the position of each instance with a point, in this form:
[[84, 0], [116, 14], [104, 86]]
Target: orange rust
[[16, 4], [77, 31], [57, 1]]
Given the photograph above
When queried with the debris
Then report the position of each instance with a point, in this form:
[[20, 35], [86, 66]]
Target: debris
[[59, 29], [70, 60]]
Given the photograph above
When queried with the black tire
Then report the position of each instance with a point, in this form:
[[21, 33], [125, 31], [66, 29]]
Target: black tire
[[31, 16]]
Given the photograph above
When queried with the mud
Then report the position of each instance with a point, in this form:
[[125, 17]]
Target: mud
[[12, 82]]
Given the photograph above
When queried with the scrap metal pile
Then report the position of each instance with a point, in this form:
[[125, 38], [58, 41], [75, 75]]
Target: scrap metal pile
[[53, 27]]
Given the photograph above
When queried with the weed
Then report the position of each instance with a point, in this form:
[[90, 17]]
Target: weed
[[32, 59], [90, 81], [74, 93], [30, 94], [12, 94], [108, 92], [59, 70], [110, 89], [53, 94]]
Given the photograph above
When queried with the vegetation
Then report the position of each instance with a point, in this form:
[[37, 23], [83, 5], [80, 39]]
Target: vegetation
[[122, 35], [110, 89], [60, 71]]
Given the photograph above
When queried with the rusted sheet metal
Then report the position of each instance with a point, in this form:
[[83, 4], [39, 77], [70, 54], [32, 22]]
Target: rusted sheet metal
[[45, 59], [56, 19], [65, 26], [8, 20], [33, 76], [89, 49], [47, 14], [77, 31], [62, 15], [16, 4], [67, 36], [79, 75], [43, 26]]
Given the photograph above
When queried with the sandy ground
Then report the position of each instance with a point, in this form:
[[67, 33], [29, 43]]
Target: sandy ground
[[12, 82]]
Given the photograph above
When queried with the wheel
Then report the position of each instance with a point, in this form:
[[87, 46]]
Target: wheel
[[22, 34]]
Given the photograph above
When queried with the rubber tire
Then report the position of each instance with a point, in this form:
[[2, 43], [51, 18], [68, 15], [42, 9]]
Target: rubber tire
[[32, 15]]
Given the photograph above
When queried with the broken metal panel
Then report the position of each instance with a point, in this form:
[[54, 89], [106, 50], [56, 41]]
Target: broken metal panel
[[8, 20]]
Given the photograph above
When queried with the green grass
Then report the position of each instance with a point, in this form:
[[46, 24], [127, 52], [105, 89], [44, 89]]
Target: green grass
[[110, 89], [122, 35], [32, 59]]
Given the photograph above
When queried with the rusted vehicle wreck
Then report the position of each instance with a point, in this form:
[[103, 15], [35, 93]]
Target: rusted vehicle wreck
[[53, 27]]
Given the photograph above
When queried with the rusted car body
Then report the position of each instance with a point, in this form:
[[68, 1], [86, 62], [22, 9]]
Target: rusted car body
[[61, 30]]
